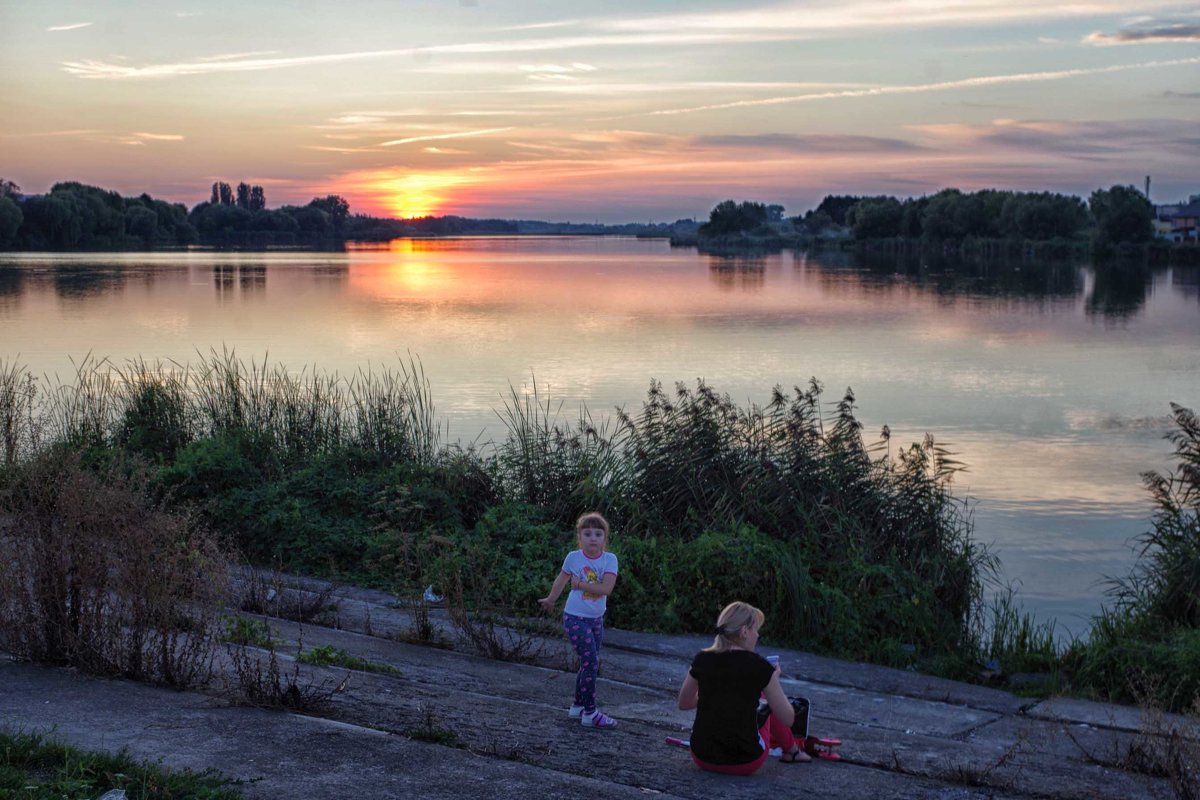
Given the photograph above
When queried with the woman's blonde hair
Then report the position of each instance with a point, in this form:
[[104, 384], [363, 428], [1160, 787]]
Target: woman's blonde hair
[[732, 619]]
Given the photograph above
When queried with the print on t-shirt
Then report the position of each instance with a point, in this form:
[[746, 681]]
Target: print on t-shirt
[[590, 576]]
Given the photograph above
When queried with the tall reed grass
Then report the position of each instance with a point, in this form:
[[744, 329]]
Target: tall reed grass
[[155, 408], [848, 522], [855, 549]]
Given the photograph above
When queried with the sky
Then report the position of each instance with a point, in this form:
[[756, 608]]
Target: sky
[[620, 111]]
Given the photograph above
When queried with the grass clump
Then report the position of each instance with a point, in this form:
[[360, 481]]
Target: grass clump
[[330, 656], [36, 767], [248, 632], [261, 680]]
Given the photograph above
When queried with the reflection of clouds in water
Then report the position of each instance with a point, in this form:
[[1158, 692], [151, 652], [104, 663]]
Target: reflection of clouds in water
[[1026, 384], [1062, 475], [1107, 421]]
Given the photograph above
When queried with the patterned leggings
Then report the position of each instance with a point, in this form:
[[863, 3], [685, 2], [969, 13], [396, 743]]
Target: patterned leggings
[[585, 634]]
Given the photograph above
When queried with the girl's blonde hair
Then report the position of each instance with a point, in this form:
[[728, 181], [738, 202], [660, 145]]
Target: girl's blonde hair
[[732, 619], [592, 519]]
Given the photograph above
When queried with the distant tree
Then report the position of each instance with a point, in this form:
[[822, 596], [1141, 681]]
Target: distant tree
[[775, 213], [940, 220], [912, 214], [222, 194], [53, 222], [334, 206], [1122, 214], [311, 219], [731, 217], [836, 207], [1039, 216], [816, 222], [11, 218], [876, 218], [8, 188], [143, 222], [258, 199], [243, 195]]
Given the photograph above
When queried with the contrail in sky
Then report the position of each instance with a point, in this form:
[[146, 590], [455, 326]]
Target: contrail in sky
[[985, 80], [430, 138]]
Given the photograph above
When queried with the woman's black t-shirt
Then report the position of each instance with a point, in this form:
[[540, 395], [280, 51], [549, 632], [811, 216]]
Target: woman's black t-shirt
[[726, 727]]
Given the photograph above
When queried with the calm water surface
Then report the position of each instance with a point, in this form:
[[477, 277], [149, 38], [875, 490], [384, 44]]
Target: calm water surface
[[1052, 384]]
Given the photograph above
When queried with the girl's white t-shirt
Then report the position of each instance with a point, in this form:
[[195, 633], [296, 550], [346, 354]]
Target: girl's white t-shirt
[[588, 570]]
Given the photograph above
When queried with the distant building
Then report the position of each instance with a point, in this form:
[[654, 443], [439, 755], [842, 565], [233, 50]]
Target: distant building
[[1178, 222]]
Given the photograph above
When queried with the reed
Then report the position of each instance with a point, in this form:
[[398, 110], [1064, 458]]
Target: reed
[[861, 545], [848, 519], [20, 425]]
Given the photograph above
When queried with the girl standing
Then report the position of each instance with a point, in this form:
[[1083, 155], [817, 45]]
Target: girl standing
[[591, 572], [724, 685]]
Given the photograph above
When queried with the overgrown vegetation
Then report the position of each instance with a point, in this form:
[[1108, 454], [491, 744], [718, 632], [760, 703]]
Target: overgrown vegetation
[[852, 547], [35, 767], [96, 575]]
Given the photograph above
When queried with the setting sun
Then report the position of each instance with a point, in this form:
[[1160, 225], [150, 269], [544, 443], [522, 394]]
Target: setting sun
[[416, 194]]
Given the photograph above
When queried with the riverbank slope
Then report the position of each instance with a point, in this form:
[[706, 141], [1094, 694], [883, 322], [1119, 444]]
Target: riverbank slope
[[503, 728]]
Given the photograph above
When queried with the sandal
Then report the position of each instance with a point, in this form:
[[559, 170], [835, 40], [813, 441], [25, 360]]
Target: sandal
[[797, 756]]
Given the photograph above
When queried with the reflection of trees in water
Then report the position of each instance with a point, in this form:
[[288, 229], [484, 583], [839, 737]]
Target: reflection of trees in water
[[738, 271], [339, 273], [1119, 290], [12, 281], [253, 277], [223, 279], [80, 282], [1186, 280], [950, 275]]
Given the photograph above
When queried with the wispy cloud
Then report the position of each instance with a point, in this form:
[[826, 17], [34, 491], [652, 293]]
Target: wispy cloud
[[40, 134], [842, 16], [812, 143], [73, 27], [105, 70], [435, 137], [662, 87], [941, 86], [1087, 140], [140, 138], [1148, 34]]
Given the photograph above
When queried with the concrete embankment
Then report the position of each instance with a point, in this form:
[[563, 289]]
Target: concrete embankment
[[904, 735]]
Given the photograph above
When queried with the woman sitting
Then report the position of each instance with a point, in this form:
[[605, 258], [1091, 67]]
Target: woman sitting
[[724, 685]]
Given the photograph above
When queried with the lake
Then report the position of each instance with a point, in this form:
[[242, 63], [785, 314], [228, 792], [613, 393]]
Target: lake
[[1051, 383]]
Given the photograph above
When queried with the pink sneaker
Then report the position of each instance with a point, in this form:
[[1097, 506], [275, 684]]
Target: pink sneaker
[[597, 719]]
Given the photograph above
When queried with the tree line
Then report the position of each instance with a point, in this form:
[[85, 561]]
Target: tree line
[[75, 216], [1120, 214], [1110, 216]]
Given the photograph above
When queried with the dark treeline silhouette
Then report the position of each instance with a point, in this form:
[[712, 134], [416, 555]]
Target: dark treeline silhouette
[[74, 216], [1112, 216]]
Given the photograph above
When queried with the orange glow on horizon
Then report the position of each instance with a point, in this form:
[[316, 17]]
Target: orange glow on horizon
[[411, 195]]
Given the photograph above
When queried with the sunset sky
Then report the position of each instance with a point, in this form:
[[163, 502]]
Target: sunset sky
[[610, 112]]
